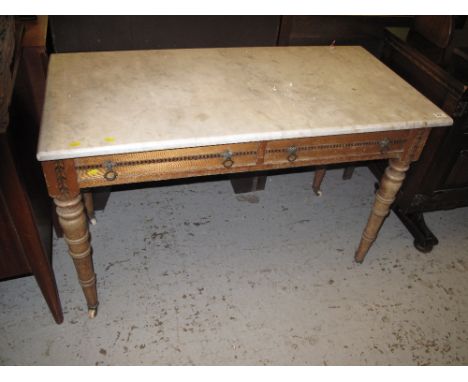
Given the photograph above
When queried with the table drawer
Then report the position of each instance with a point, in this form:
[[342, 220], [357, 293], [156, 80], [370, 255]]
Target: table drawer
[[164, 164], [354, 147]]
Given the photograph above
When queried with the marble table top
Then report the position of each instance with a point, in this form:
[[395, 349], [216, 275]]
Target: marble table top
[[130, 101]]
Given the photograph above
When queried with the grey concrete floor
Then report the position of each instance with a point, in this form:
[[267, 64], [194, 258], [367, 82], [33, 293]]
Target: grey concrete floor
[[193, 274]]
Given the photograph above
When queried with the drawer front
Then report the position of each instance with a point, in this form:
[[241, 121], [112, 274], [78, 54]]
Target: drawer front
[[164, 164], [335, 148], [242, 157]]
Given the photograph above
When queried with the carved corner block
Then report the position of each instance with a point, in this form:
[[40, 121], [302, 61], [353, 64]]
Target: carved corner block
[[61, 178], [415, 144]]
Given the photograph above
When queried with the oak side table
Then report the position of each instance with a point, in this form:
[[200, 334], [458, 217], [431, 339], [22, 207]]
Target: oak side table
[[136, 116]]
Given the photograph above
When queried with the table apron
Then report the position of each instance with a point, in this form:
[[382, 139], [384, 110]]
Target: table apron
[[106, 170]]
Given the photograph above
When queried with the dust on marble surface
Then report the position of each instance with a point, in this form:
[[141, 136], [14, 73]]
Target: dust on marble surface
[[229, 95]]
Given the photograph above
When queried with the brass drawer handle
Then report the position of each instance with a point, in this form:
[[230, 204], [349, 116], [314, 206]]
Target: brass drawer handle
[[110, 173], [292, 151], [384, 145], [228, 162]]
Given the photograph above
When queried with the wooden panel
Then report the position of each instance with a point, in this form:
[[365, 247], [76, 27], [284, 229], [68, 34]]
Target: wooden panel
[[165, 164], [366, 31], [387, 144], [12, 259], [458, 175], [35, 31], [98, 33], [24, 205], [436, 29], [25, 115], [459, 64], [246, 157], [8, 60], [439, 200], [431, 80], [26, 229]]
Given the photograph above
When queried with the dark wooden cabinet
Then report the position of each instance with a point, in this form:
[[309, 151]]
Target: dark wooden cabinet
[[25, 209], [25, 226], [101, 33], [439, 180], [367, 31]]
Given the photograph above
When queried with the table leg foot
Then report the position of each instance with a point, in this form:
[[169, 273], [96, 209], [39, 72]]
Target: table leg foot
[[389, 186], [72, 219], [357, 258], [92, 311]]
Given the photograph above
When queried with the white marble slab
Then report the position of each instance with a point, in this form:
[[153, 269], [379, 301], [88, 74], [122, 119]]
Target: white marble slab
[[121, 102]]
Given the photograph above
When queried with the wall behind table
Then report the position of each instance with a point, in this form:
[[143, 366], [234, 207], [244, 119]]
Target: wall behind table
[[104, 33]]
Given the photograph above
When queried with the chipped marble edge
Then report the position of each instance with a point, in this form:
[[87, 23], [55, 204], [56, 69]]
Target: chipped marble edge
[[169, 144]]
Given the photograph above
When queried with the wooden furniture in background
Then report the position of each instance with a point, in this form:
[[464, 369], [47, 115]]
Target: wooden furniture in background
[[459, 64], [25, 209], [98, 33], [236, 111], [431, 35], [439, 180], [366, 31]]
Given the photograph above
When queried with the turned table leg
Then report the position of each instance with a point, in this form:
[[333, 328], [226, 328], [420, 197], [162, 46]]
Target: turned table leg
[[389, 186], [73, 221], [348, 172], [89, 206], [318, 178]]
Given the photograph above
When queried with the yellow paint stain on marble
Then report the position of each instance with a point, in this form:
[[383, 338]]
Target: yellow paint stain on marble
[[74, 144], [109, 139]]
